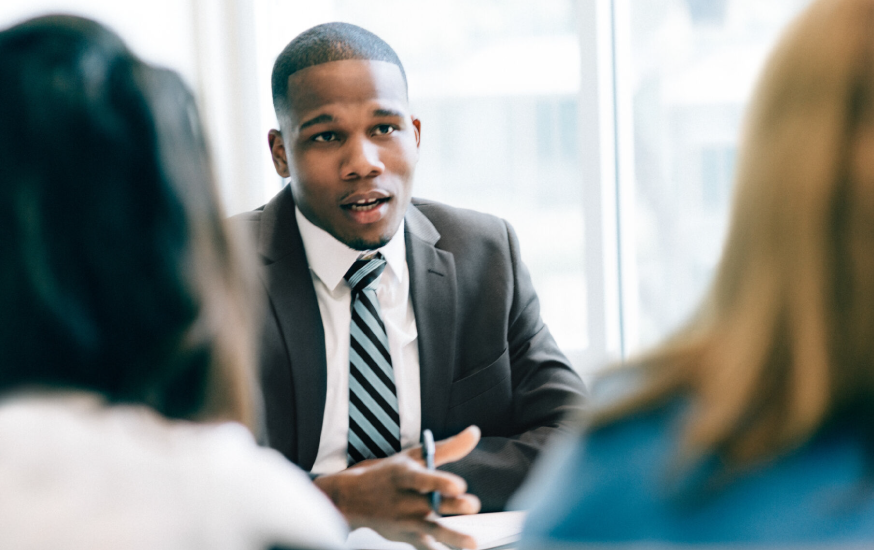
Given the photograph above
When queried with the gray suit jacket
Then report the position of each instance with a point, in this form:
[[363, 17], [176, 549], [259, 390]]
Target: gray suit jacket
[[485, 356]]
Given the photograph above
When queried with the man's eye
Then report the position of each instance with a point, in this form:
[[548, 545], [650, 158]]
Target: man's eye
[[384, 129], [325, 136]]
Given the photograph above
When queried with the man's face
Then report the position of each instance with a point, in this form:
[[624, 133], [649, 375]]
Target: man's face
[[350, 148]]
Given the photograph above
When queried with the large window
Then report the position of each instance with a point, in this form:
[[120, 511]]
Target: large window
[[687, 69], [605, 131]]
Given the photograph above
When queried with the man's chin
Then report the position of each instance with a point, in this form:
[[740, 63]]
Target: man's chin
[[361, 244], [366, 238]]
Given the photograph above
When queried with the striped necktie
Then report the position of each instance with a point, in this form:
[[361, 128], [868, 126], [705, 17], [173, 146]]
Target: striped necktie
[[374, 424]]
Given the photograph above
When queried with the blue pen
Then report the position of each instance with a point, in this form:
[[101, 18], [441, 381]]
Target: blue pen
[[428, 451]]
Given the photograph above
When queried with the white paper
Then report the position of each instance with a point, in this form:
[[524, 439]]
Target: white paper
[[489, 531]]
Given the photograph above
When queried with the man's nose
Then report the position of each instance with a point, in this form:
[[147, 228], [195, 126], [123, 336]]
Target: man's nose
[[361, 159]]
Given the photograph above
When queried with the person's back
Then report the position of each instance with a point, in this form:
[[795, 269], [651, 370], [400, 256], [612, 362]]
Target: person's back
[[126, 326], [621, 484], [753, 424], [77, 473]]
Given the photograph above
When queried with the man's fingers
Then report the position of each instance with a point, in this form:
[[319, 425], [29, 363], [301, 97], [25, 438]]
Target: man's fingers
[[365, 463], [449, 537], [464, 504], [457, 446], [424, 534], [449, 449], [421, 480], [418, 505], [420, 541], [423, 542]]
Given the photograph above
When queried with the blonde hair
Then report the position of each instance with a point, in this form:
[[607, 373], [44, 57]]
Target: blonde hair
[[784, 341]]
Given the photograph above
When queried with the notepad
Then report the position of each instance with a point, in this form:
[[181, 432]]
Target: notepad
[[490, 531]]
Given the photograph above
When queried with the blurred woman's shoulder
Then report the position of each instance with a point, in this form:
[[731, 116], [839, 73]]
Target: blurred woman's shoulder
[[628, 480], [130, 478]]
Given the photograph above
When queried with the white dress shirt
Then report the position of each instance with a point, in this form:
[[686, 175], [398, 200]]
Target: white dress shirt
[[329, 260]]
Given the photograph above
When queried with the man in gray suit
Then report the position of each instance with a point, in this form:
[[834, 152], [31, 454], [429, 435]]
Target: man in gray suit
[[462, 341]]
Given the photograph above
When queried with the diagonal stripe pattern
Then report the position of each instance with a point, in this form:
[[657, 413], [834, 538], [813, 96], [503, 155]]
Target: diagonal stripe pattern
[[374, 423]]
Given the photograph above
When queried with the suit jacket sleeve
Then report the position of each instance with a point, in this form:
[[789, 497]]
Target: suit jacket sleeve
[[545, 392]]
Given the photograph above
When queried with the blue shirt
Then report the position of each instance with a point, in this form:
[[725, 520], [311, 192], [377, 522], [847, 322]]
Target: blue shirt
[[620, 484]]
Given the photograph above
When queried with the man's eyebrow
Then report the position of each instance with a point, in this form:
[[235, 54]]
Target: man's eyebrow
[[321, 119], [387, 112]]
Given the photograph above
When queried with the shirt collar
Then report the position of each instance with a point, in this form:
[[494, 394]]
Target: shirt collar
[[330, 259]]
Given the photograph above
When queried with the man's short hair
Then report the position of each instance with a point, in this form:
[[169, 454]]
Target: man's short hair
[[323, 44]]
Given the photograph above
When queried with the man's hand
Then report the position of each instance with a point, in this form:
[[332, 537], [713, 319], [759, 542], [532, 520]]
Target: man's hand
[[390, 495]]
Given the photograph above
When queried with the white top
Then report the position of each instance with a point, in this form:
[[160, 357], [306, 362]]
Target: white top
[[329, 260], [78, 474]]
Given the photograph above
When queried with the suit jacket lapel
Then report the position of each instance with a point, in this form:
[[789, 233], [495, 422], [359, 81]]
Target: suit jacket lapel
[[293, 299], [433, 292]]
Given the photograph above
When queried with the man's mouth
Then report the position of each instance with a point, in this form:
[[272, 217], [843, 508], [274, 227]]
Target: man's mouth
[[365, 205]]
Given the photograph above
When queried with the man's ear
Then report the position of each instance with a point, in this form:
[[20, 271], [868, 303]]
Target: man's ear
[[417, 129], [278, 153]]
